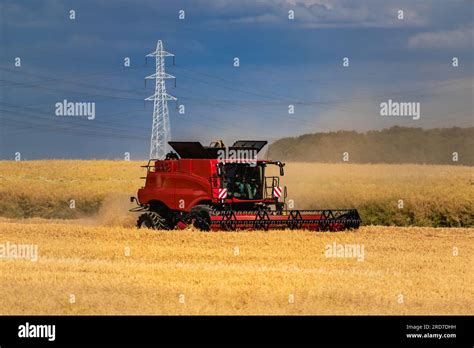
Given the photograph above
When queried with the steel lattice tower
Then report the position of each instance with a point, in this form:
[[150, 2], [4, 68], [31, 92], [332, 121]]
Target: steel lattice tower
[[160, 133]]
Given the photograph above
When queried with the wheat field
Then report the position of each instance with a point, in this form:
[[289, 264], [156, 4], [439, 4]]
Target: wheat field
[[92, 260], [432, 195], [117, 270]]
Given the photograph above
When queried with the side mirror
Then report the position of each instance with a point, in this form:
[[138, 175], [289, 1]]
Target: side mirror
[[282, 171], [219, 169]]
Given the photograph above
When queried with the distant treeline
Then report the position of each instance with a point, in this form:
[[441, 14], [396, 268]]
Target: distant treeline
[[393, 145]]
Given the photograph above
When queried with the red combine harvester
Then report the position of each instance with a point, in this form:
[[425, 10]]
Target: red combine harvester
[[219, 188]]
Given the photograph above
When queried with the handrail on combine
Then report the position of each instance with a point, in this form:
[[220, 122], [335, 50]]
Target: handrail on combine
[[275, 182], [148, 166], [215, 184]]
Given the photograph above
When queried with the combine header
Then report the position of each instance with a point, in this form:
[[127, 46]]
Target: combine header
[[219, 188]]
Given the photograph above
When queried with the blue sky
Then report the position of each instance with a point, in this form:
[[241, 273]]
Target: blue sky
[[282, 62]]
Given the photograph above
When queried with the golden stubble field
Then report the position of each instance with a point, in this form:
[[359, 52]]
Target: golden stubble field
[[94, 254], [404, 271]]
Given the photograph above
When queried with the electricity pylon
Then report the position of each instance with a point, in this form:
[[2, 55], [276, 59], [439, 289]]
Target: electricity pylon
[[160, 132]]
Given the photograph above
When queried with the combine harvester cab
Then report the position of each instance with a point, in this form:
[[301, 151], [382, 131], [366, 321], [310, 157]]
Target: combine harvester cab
[[218, 188]]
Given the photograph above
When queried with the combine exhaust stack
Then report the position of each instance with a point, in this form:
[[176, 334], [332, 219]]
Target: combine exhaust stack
[[216, 188]]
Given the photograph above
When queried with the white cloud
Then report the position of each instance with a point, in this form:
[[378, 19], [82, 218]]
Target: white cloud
[[321, 13], [343, 13], [460, 38], [261, 18]]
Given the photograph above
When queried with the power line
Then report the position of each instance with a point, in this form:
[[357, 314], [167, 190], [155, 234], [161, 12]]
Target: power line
[[40, 115]]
